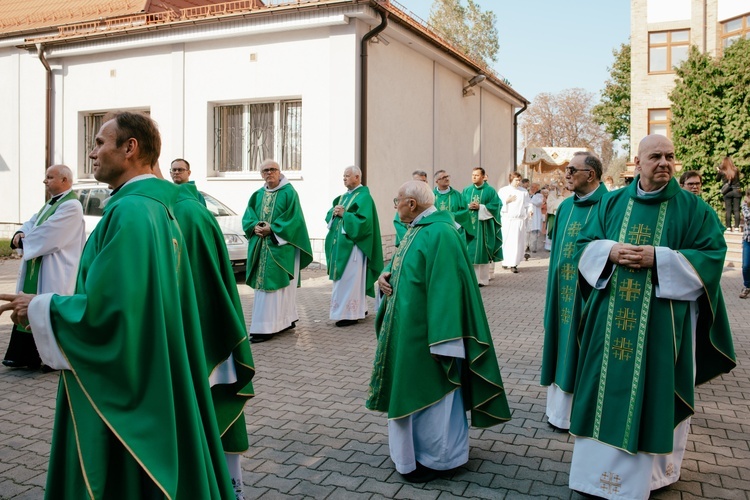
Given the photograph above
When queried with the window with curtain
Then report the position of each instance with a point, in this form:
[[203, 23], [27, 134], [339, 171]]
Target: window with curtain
[[247, 134], [92, 122]]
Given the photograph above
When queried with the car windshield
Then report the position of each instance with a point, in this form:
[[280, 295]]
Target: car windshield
[[216, 207]]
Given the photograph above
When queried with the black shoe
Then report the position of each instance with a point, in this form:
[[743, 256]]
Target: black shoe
[[346, 322], [290, 327], [514, 270], [12, 364], [556, 428], [48, 369], [421, 474], [257, 338]]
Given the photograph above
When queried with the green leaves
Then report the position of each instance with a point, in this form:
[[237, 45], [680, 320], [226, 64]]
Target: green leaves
[[613, 112], [711, 113], [468, 28]]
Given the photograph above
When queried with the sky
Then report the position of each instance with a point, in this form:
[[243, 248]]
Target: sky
[[552, 45]]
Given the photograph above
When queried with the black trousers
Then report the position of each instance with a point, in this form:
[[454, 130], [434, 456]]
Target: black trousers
[[22, 349], [732, 206]]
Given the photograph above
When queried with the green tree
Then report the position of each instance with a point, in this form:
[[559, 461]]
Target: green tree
[[711, 114], [613, 112], [468, 28]]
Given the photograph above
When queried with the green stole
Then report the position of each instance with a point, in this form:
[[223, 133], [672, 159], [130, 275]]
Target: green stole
[[453, 202], [34, 266], [560, 355]]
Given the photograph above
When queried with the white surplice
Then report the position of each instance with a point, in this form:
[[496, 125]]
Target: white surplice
[[436, 437], [348, 300], [276, 310], [513, 216]]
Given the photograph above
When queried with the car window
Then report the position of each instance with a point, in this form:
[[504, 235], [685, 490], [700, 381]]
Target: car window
[[82, 194], [216, 207], [95, 203]]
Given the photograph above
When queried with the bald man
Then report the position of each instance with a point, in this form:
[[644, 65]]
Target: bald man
[[654, 325], [50, 244]]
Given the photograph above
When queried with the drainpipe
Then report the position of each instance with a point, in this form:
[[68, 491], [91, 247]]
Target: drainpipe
[[363, 94], [47, 108], [515, 136]]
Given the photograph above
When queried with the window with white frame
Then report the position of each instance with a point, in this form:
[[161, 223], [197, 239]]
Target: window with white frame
[[92, 122], [247, 134]]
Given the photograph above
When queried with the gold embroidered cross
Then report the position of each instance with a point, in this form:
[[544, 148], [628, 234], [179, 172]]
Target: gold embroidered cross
[[629, 290], [639, 234], [623, 348], [565, 315], [568, 250], [574, 228], [567, 293], [443, 205], [625, 319], [568, 271], [610, 482]]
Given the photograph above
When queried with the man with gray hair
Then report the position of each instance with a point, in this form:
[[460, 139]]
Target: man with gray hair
[[560, 353], [354, 253], [427, 364], [54, 237]]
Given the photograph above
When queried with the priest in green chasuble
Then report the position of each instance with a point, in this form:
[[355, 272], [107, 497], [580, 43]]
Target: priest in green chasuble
[[400, 227], [354, 252], [485, 240], [229, 361], [654, 325], [560, 353], [434, 359], [278, 247], [451, 200], [134, 415]]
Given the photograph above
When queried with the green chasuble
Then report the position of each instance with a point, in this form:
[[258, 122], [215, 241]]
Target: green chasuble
[[485, 239], [136, 402], [560, 354], [453, 202], [435, 299], [634, 381], [221, 316], [359, 226], [270, 266]]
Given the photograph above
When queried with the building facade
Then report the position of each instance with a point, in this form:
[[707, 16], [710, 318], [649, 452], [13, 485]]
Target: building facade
[[661, 32], [318, 86]]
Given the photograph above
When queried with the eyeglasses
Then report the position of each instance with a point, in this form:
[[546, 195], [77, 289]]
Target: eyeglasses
[[269, 170], [573, 170], [443, 178], [178, 170], [693, 184]]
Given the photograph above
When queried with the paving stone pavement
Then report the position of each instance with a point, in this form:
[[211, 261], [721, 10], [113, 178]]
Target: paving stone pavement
[[311, 436]]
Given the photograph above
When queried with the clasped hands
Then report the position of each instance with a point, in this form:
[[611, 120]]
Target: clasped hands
[[338, 210], [473, 205], [633, 256], [262, 229], [18, 304]]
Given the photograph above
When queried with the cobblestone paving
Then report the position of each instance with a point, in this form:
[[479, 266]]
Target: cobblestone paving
[[311, 437]]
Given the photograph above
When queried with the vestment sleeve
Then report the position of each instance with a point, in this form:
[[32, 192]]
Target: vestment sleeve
[[593, 263], [56, 233], [677, 278], [41, 328]]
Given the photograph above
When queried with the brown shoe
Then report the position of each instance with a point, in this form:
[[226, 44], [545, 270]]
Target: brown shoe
[[744, 293]]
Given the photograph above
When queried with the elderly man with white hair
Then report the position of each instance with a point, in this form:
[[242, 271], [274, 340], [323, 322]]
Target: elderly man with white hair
[[434, 345], [354, 253]]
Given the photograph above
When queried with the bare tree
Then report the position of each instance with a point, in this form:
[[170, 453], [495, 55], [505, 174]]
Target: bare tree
[[566, 120]]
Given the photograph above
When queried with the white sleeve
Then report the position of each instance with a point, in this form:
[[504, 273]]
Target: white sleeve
[[225, 373], [483, 213], [44, 337], [451, 349], [594, 260], [56, 232], [677, 278], [279, 240]]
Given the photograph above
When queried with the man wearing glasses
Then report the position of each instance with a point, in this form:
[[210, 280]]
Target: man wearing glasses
[[354, 253], [654, 326], [278, 247], [691, 181], [560, 354], [451, 200], [180, 172]]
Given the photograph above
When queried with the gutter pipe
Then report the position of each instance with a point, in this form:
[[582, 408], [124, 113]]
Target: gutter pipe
[[515, 136], [363, 94], [47, 108]]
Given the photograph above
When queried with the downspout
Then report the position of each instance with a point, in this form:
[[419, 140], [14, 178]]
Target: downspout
[[363, 94], [515, 135], [47, 108]]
